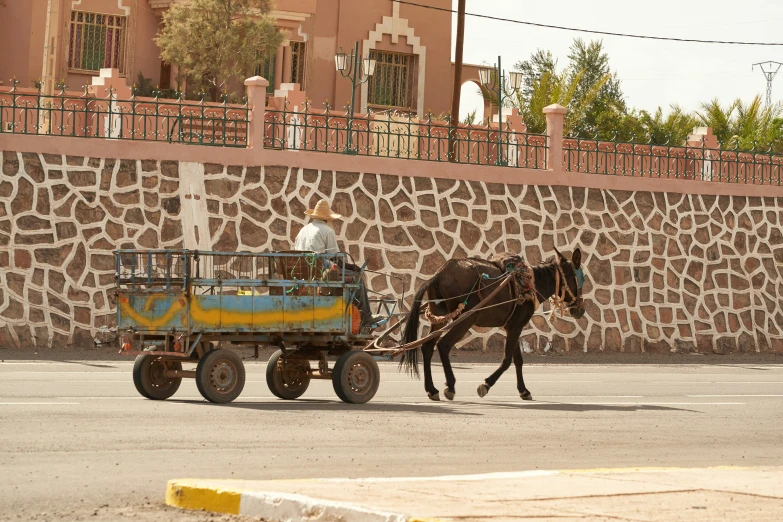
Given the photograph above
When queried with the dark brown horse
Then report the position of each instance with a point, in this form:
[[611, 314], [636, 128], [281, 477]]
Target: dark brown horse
[[469, 281]]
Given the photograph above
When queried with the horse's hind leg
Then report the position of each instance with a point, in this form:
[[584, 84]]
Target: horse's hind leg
[[443, 351], [427, 350], [445, 344]]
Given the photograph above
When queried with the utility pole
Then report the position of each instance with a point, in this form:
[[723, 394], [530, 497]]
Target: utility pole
[[454, 120], [770, 70]]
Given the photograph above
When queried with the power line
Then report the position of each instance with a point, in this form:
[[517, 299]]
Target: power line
[[591, 31]]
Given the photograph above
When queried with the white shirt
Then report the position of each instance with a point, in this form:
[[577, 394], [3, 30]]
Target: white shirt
[[317, 237]]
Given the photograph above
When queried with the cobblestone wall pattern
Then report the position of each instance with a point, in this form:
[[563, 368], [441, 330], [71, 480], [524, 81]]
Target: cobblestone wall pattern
[[664, 271]]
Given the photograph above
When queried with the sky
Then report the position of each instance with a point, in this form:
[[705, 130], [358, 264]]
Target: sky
[[653, 73]]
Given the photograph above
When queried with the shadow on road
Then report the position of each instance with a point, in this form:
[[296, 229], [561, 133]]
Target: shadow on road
[[559, 406], [82, 363], [315, 405]]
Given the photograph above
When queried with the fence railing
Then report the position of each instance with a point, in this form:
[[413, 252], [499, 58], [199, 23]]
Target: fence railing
[[29, 111], [394, 135], [663, 161]]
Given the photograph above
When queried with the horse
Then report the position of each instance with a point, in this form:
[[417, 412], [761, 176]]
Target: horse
[[461, 284]]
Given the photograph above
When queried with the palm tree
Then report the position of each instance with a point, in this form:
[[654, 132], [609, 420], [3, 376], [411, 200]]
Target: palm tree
[[564, 88], [673, 129], [741, 125]]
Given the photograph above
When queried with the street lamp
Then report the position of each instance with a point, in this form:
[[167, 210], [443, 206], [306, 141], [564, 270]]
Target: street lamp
[[358, 71], [494, 79]]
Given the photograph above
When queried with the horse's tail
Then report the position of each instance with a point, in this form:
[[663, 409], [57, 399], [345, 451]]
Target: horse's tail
[[410, 359]]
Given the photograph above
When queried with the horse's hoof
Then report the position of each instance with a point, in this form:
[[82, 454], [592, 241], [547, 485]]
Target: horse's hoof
[[449, 394], [482, 390], [526, 395], [434, 396]]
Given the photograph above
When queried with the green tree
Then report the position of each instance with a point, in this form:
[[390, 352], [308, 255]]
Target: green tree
[[215, 41], [540, 62], [586, 87], [591, 62], [562, 88], [673, 129]]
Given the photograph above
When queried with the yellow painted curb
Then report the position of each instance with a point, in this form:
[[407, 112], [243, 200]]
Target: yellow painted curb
[[186, 494]]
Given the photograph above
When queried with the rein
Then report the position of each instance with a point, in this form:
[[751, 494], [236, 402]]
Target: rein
[[558, 298]]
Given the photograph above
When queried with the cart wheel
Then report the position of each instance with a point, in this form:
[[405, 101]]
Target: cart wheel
[[290, 381], [356, 377], [220, 376], [149, 377]]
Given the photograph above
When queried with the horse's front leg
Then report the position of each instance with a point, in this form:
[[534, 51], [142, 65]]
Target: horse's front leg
[[518, 363], [512, 344]]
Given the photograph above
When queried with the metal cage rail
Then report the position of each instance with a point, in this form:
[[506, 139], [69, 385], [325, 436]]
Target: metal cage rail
[[392, 134], [592, 156], [30, 111]]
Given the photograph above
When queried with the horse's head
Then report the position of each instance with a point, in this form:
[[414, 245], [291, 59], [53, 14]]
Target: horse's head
[[574, 280]]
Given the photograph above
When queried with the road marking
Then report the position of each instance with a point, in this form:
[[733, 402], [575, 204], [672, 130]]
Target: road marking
[[67, 373], [37, 403], [734, 395], [714, 382]]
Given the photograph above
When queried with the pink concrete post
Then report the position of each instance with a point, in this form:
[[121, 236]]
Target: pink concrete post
[[256, 99], [554, 136]]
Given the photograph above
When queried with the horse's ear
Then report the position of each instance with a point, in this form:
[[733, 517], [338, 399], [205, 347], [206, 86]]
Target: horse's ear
[[576, 258], [559, 255]]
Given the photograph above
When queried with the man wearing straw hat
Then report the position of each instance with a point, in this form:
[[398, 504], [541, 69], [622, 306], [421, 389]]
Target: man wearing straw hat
[[318, 236]]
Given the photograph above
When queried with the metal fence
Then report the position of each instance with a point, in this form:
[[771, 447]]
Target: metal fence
[[29, 111], [390, 134], [664, 161]]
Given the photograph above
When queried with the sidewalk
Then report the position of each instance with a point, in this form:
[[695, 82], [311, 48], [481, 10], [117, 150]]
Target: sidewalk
[[645, 494]]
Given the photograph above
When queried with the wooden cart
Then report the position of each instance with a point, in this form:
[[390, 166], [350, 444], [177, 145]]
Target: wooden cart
[[175, 306]]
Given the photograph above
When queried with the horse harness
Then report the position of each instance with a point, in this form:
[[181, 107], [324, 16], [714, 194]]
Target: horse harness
[[523, 288]]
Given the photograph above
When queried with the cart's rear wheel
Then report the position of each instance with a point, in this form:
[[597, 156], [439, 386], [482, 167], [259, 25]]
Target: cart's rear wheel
[[220, 376], [287, 380], [149, 377], [356, 377]]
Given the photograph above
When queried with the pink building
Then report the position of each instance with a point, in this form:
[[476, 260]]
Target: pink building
[[71, 40]]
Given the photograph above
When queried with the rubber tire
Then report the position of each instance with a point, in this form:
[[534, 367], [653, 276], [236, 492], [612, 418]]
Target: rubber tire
[[274, 379], [341, 377], [143, 381], [204, 376]]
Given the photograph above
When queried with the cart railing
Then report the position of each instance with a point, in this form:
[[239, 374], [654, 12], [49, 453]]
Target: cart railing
[[198, 271]]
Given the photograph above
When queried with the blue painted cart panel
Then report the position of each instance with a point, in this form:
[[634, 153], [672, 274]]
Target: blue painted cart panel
[[153, 312], [232, 313]]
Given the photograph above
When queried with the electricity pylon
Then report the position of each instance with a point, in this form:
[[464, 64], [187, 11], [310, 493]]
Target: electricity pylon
[[770, 70]]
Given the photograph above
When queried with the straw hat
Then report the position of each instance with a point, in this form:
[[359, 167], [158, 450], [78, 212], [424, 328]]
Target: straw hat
[[323, 211]]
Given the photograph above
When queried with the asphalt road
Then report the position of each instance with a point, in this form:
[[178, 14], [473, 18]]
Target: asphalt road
[[78, 443]]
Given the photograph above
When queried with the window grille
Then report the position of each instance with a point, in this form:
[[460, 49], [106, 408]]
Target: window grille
[[298, 63], [392, 83], [266, 69], [97, 41]]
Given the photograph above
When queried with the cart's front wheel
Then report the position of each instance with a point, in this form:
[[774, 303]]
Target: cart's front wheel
[[220, 376], [287, 379], [356, 377], [149, 377]]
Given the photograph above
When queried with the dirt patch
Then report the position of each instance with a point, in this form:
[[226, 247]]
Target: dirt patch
[[141, 512]]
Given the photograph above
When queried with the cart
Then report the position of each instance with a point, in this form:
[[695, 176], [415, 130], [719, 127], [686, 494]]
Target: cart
[[175, 306]]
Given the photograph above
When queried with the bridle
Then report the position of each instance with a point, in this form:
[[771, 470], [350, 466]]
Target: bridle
[[558, 299]]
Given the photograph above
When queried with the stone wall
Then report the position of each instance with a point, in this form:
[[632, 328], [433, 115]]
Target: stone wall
[[665, 271]]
